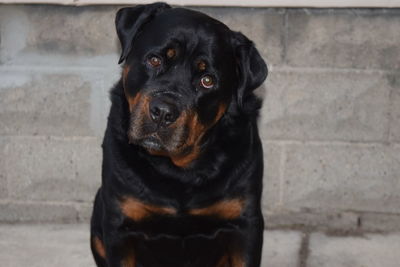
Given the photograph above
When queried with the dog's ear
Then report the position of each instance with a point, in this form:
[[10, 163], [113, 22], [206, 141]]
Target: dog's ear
[[251, 67], [129, 20]]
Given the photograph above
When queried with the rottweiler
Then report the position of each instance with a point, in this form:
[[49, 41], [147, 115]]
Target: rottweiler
[[182, 158]]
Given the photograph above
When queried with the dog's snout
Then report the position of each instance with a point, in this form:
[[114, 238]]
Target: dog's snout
[[163, 113]]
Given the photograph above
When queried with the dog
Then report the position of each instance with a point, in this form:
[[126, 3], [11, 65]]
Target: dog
[[182, 158]]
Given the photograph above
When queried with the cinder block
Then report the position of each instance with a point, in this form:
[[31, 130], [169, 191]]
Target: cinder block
[[380, 222], [344, 39], [263, 26], [84, 31], [45, 246], [345, 106], [366, 251], [45, 104], [12, 212], [272, 175], [60, 169], [394, 80], [101, 83], [13, 31], [281, 249], [85, 211], [348, 177]]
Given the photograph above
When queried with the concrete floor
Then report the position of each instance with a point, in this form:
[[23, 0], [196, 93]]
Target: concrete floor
[[67, 245]]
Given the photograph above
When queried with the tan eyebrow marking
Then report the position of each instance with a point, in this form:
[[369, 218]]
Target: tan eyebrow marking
[[201, 65], [171, 53]]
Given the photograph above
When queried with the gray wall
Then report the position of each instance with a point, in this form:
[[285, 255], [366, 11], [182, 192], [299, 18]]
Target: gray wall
[[330, 121]]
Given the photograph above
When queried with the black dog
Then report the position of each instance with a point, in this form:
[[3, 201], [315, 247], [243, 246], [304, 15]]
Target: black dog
[[182, 159]]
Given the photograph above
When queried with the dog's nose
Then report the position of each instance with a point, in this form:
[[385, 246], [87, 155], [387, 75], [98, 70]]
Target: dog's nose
[[162, 112]]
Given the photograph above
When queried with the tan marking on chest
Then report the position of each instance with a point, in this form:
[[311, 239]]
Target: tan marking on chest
[[138, 210], [237, 260], [129, 260], [231, 260], [225, 209]]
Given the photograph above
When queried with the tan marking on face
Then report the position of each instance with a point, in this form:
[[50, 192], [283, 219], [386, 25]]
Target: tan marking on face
[[221, 111], [171, 53], [184, 161], [197, 131], [133, 101], [201, 65], [181, 161], [145, 104], [99, 247], [139, 108], [138, 210], [125, 72], [225, 209]]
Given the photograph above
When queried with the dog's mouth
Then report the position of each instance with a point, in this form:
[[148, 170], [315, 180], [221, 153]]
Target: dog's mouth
[[159, 142], [151, 143]]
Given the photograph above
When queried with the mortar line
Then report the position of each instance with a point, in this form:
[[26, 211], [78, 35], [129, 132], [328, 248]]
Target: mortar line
[[29, 68], [330, 142], [304, 250], [45, 202], [54, 137], [55, 69], [390, 119], [316, 211], [285, 36], [267, 141], [288, 68]]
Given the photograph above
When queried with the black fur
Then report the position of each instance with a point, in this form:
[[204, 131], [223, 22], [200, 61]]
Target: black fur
[[229, 162]]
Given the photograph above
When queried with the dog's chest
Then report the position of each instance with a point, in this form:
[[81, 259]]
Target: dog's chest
[[153, 220], [193, 251], [169, 236]]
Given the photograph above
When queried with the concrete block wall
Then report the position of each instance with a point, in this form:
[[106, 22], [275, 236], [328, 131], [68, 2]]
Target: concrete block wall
[[330, 121]]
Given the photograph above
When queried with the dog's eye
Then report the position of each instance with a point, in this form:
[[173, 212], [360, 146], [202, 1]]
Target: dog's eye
[[207, 81], [154, 61]]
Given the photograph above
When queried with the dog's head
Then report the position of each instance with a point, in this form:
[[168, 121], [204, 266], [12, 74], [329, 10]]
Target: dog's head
[[182, 71]]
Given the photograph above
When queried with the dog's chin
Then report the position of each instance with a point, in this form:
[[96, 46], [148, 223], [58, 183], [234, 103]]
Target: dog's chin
[[155, 146], [151, 143]]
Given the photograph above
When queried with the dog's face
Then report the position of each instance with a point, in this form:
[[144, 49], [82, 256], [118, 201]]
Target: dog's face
[[182, 72]]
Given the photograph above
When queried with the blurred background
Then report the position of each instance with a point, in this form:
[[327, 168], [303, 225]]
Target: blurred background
[[330, 126]]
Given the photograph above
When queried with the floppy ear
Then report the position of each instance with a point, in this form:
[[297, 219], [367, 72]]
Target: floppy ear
[[251, 67], [129, 20]]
